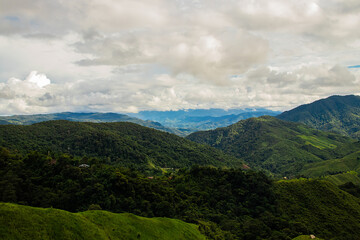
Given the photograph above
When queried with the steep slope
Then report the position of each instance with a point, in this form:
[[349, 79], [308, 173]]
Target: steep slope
[[320, 208], [125, 144], [278, 146], [83, 117], [339, 114], [23, 222]]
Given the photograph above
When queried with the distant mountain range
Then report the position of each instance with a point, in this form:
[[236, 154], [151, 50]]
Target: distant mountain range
[[182, 122], [277, 146], [340, 114], [83, 117], [192, 120]]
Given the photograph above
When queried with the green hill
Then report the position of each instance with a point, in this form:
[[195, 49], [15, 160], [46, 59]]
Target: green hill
[[339, 114], [274, 145], [121, 143], [23, 222], [320, 208], [347, 163], [84, 117]]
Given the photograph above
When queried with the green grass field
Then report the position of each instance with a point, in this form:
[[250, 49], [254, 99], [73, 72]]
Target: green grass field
[[23, 222]]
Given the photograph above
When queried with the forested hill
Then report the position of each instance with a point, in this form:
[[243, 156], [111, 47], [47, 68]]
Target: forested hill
[[278, 146], [121, 143], [339, 114], [84, 117]]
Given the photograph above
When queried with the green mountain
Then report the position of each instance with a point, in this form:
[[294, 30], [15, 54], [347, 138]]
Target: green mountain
[[320, 208], [277, 146], [84, 117], [23, 222], [121, 143], [339, 114]]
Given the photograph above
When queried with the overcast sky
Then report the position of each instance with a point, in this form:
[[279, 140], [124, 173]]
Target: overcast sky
[[129, 55]]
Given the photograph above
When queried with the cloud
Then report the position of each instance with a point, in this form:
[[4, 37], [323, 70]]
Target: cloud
[[133, 55]]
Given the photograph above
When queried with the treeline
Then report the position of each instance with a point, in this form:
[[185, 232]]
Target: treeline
[[226, 203]]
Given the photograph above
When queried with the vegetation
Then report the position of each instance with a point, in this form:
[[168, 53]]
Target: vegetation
[[225, 203], [320, 208], [23, 222], [340, 114], [277, 146], [350, 162], [121, 143]]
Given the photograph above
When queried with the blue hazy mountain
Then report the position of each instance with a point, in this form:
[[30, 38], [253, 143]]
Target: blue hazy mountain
[[202, 119]]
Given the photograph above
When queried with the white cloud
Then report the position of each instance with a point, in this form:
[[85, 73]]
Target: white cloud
[[107, 55]]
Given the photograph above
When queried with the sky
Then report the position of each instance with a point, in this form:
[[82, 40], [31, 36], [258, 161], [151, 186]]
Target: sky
[[130, 55]]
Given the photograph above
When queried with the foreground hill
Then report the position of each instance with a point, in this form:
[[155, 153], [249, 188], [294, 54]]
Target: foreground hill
[[320, 208], [339, 114], [121, 143], [23, 222], [83, 117], [278, 146]]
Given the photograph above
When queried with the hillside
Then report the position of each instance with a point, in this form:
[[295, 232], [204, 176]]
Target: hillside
[[277, 146], [339, 114], [83, 117], [121, 143], [320, 208], [349, 162], [23, 222]]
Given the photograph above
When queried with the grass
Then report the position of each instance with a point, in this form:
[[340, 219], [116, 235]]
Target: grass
[[23, 222], [342, 178], [305, 237], [350, 162], [321, 143]]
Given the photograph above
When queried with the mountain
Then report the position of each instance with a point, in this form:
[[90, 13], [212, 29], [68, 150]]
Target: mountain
[[23, 222], [320, 208], [340, 114], [121, 143], [274, 145], [83, 117], [192, 120]]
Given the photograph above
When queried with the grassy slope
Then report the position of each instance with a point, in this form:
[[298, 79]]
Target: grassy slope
[[342, 178], [23, 222], [275, 145], [124, 143], [305, 237], [325, 210], [350, 162]]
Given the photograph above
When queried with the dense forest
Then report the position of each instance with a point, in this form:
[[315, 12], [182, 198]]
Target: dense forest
[[121, 143], [225, 203]]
